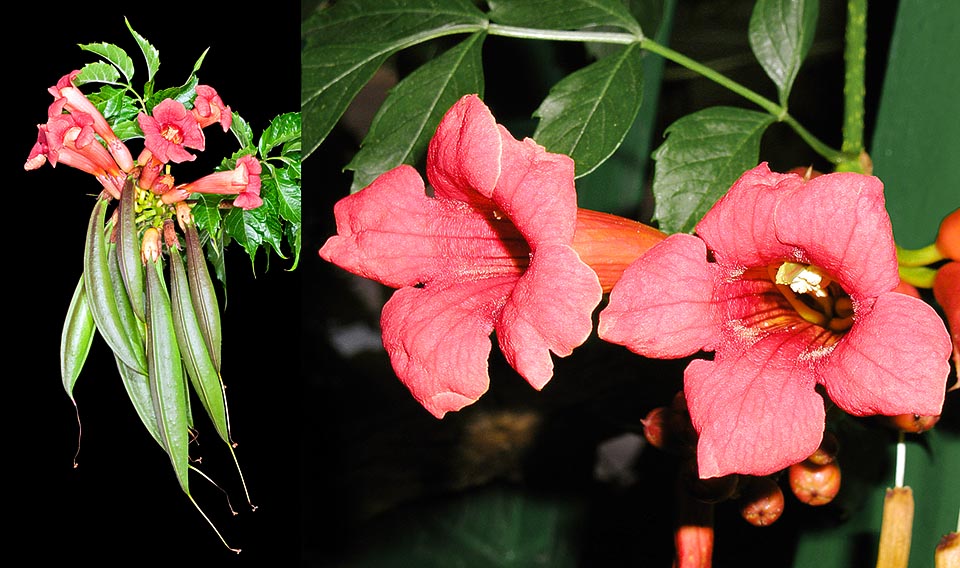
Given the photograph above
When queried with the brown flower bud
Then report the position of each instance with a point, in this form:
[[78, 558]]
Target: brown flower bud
[[911, 423], [827, 452], [761, 500], [814, 484]]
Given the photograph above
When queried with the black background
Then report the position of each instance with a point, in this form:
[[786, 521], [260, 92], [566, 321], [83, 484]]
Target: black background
[[123, 504]]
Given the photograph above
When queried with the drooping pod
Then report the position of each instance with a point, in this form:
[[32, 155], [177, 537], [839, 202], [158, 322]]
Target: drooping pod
[[193, 347], [101, 294], [128, 245], [202, 292], [76, 338], [137, 386], [168, 389]]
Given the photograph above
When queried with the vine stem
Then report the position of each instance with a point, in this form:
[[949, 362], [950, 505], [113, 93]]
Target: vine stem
[[622, 38], [854, 57]]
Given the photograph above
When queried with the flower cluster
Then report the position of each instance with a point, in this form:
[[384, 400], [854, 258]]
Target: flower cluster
[[77, 134], [788, 285]]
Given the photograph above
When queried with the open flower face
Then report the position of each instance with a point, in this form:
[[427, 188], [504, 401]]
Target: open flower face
[[791, 284], [169, 131], [489, 250]]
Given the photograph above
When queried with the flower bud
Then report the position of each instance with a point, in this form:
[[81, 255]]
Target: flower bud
[[670, 430], [827, 451], [761, 500], [150, 246], [948, 236], [814, 484], [910, 423]]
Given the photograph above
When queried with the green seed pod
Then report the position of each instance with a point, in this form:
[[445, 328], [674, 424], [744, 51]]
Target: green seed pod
[[193, 347], [203, 293], [102, 295], [128, 243], [165, 374], [76, 338]]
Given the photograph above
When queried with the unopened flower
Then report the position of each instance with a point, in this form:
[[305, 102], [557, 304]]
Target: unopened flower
[[208, 108], [242, 181], [791, 284], [150, 245], [946, 291], [489, 250], [948, 236], [169, 130], [68, 97]]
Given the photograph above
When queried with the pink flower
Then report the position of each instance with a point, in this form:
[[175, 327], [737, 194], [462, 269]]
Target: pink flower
[[791, 285], [68, 97], [169, 130], [490, 250], [242, 181], [69, 139], [208, 108]]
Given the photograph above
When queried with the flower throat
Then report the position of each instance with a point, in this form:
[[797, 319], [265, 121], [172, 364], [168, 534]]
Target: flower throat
[[815, 296]]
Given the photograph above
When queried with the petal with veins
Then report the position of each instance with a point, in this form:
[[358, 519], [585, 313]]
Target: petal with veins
[[894, 360], [755, 409], [663, 304]]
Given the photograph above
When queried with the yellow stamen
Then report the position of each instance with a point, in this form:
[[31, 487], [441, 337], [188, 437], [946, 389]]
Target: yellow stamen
[[805, 311]]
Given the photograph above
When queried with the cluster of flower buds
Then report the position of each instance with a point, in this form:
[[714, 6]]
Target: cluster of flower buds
[[814, 481]]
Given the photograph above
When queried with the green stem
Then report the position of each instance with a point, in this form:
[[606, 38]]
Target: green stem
[[919, 276], [831, 154], [919, 257], [854, 56], [623, 38]]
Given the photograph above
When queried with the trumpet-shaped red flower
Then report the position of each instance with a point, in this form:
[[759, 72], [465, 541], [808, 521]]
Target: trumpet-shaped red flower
[[489, 250], [67, 97], [791, 284], [208, 108], [170, 130], [243, 181], [69, 139]]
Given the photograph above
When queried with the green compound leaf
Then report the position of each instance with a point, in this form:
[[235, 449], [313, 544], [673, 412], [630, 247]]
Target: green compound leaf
[[781, 32], [570, 15], [346, 43], [98, 72], [704, 153], [150, 53], [114, 55], [404, 124], [589, 112], [282, 129]]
